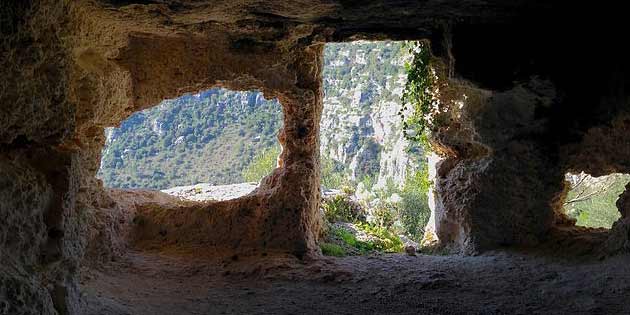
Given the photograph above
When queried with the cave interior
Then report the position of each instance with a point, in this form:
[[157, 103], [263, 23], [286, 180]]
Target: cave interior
[[547, 87]]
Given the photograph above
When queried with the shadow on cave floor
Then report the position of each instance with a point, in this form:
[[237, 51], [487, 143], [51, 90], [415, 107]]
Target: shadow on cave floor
[[493, 283]]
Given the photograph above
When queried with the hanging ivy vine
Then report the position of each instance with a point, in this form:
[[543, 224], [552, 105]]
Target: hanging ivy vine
[[418, 98]]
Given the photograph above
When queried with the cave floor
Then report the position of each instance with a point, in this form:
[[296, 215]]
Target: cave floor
[[492, 283]]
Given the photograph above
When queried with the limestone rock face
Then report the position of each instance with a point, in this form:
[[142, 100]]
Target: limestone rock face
[[512, 141], [35, 104], [40, 245], [71, 68], [24, 199], [360, 127], [487, 185], [619, 239]]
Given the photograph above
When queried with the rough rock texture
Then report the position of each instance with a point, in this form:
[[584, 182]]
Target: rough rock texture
[[202, 192], [79, 66], [605, 149], [492, 283], [619, 239], [497, 165], [552, 97], [526, 120], [41, 241]]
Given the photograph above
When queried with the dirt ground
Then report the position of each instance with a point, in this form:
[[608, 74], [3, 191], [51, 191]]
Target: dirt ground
[[493, 283]]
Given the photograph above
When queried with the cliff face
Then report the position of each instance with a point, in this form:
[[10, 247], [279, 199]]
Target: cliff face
[[361, 129]]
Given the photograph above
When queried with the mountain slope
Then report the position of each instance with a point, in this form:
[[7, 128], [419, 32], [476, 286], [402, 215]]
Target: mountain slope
[[360, 128], [207, 137]]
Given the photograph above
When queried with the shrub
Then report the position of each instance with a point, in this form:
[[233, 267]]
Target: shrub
[[351, 240], [413, 209], [368, 182], [341, 208], [330, 249], [380, 239], [384, 214], [419, 99], [348, 190], [262, 165], [385, 240]]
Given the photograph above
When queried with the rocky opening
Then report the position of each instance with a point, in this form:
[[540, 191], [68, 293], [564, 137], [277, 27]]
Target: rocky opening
[[213, 145], [592, 201]]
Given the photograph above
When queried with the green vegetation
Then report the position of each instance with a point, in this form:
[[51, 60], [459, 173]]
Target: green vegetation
[[418, 95], [413, 209], [384, 214], [330, 249], [385, 240], [343, 242], [381, 236], [209, 137], [262, 165], [341, 208], [592, 201], [350, 240], [410, 213], [333, 174]]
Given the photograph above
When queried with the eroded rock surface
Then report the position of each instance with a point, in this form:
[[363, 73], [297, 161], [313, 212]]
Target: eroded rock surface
[[203, 192], [497, 165]]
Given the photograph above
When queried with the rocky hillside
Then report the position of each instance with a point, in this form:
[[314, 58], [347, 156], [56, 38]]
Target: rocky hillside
[[212, 136], [203, 138], [361, 129]]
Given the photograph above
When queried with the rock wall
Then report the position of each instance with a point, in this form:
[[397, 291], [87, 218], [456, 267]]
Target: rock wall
[[40, 242], [522, 118], [497, 163], [79, 67]]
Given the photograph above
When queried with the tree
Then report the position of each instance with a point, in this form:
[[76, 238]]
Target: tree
[[413, 210], [262, 165]]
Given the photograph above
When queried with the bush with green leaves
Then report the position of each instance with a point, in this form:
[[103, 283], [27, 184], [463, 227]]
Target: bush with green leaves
[[351, 240], [418, 99], [348, 190], [384, 239], [368, 182], [413, 209], [341, 241], [262, 165], [342, 208], [384, 214]]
